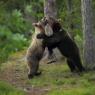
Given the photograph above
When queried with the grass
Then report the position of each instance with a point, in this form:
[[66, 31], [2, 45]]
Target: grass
[[62, 82], [73, 91], [56, 79], [7, 89]]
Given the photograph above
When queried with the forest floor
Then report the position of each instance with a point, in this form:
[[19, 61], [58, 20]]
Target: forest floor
[[56, 79]]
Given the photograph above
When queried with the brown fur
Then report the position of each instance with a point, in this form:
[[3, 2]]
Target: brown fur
[[34, 54]]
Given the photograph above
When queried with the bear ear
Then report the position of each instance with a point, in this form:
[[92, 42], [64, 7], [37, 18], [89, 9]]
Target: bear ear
[[35, 24], [59, 20]]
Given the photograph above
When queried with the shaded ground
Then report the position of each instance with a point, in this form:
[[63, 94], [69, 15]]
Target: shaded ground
[[56, 79], [15, 72]]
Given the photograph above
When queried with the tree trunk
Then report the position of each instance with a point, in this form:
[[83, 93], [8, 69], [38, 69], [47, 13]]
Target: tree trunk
[[88, 34], [50, 8]]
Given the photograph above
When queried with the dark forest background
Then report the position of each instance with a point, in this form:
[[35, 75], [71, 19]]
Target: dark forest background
[[17, 16]]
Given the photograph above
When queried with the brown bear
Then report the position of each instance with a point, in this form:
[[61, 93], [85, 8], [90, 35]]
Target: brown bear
[[61, 39], [35, 53]]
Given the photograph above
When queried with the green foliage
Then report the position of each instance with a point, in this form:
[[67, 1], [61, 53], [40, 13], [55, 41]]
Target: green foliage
[[10, 42], [13, 28], [16, 19], [35, 10], [16, 24], [6, 89], [79, 40]]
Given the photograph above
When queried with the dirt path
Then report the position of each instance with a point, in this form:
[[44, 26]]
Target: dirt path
[[15, 73]]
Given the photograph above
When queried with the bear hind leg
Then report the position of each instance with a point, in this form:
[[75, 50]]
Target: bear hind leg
[[78, 64], [71, 65], [33, 67]]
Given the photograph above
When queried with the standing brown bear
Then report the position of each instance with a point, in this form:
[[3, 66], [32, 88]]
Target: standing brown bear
[[35, 53], [60, 39]]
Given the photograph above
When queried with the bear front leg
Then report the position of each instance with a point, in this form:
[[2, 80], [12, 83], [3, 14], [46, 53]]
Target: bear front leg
[[41, 36], [51, 56]]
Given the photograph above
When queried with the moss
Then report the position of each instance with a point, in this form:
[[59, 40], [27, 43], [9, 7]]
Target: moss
[[6, 89]]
